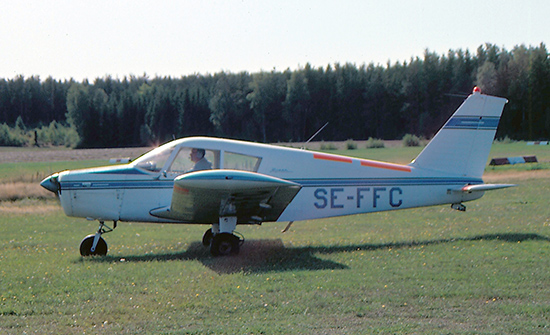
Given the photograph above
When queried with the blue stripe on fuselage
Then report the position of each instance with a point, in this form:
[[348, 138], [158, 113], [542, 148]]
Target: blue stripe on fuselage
[[101, 185], [168, 184]]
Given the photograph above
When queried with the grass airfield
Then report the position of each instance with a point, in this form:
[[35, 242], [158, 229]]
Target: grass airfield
[[425, 271]]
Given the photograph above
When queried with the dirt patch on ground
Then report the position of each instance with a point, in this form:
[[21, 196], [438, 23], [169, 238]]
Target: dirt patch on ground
[[54, 154], [19, 155]]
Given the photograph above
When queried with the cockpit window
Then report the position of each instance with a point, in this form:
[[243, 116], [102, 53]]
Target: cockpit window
[[188, 159], [236, 161], [156, 159], [194, 159]]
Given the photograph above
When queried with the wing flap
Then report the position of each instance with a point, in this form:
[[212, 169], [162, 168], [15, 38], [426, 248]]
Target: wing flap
[[204, 196]]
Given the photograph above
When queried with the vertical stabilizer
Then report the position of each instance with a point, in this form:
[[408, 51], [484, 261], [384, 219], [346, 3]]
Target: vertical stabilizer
[[462, 146]]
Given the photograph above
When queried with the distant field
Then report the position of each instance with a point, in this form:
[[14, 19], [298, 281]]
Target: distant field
[[421, 271], [17, 155]]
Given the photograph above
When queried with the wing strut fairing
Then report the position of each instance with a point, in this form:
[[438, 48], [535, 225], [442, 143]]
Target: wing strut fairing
[[205, 196]]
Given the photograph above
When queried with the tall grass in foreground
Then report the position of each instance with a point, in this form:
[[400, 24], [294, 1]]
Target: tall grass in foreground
[[424, 271]]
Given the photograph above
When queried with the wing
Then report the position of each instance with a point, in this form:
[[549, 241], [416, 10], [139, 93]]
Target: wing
[[204, 196]]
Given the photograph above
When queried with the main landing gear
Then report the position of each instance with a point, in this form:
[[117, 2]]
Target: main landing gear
[[221, 239], [94, 244]]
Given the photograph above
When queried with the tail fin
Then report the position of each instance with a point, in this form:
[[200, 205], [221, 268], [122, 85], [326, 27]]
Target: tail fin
[[462, 146]]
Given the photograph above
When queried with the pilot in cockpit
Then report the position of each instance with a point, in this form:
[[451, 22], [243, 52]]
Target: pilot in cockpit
[[201, 163]]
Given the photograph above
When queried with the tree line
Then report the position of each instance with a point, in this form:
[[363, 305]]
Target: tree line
[[359, 102]]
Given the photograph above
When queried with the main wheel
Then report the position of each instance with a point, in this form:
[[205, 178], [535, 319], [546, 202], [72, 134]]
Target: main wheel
[[224, 244], [88, 242], [207, 237]]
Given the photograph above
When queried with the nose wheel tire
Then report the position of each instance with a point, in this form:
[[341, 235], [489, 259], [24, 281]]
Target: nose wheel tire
[[88, 242]]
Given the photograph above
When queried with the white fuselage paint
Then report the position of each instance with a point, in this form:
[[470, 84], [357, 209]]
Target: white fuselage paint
[[331, 185]]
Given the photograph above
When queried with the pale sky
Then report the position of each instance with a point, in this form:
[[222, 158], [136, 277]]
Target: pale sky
[[89, 39]]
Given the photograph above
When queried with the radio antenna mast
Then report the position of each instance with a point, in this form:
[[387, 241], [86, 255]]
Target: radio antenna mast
[[317, 132]]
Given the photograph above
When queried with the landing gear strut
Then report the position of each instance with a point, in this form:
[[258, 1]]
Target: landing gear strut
[[94, 244]]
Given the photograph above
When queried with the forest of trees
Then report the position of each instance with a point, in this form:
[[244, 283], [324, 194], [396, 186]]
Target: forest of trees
[[386, 102]]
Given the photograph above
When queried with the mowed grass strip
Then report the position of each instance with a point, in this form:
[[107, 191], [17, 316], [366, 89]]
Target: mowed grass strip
[[428, 270]]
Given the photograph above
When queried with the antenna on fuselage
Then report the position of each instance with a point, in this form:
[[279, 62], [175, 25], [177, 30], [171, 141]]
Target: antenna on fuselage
[[317, 132], [457, 95]]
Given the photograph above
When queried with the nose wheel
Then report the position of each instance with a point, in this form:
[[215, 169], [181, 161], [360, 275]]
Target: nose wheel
[[87, 245], [94, 244]]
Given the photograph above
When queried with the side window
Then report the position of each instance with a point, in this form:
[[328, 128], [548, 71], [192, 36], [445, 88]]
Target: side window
[[236, 161], [188, 160]]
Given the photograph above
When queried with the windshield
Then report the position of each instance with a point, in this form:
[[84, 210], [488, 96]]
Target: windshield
[[155, 159]]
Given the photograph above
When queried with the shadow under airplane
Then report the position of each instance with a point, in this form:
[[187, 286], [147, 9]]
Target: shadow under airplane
[[270, 255]]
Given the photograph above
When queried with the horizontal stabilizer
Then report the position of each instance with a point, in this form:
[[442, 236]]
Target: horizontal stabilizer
[[483, 187]]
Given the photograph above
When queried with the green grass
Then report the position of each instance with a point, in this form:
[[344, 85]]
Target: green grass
[[424, 271]]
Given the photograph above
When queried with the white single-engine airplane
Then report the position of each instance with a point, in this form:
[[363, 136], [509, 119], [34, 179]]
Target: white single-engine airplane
[[223, 183]]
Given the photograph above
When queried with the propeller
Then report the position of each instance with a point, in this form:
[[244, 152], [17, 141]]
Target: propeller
[[51, 183]]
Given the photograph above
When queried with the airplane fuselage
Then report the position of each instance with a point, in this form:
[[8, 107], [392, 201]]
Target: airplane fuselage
[[130, 192]]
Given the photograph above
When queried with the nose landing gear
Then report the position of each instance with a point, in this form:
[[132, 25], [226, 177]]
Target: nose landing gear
[[94, 244]]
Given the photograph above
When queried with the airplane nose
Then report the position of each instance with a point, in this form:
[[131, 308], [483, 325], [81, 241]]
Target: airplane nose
[[51, 183]]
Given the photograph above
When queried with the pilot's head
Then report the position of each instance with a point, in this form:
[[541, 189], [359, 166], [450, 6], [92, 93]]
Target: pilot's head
[[197, 154]]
